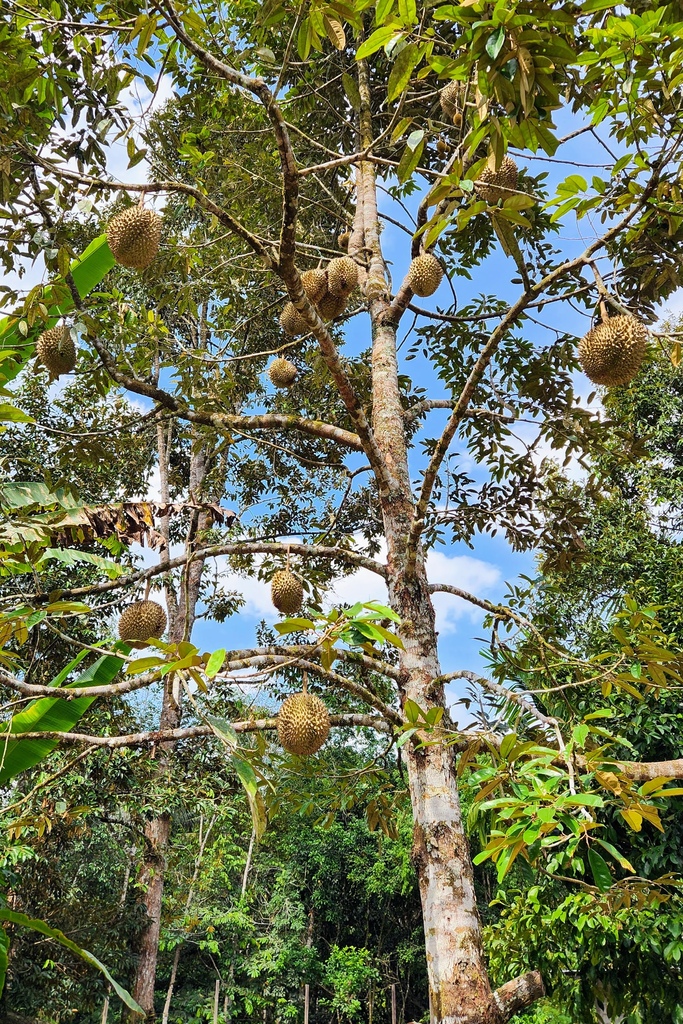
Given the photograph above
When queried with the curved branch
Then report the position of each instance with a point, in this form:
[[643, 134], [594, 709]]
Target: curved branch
[[233, 548], [142, 739], [488, 351], [518, 994], [290, 173], [225, 421], [72, 693], [221, 215], [309, 650], [273, 661]]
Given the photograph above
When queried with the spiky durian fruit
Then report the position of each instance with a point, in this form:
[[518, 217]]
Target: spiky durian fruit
[[314, 283], [303, 724], [332, 306], [611, 353], [501, 184], [142, 620], [342, 276], [286, 592], [425, 274], [343, 240], [282, 373], [134, 236], [292, 322], [56, 351], [449, 98]]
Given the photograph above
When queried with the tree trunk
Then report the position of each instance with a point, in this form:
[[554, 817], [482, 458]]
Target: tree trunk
[[459, 987], [181, 609]]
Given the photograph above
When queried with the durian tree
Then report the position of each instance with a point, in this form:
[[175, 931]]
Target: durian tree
[[313, 113]]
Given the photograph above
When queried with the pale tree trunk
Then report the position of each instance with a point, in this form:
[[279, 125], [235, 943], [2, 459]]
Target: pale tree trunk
[[181, 611], [459, 988]]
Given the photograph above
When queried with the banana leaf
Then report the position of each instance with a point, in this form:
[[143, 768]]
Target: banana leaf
[[13, 917], [50, 714]]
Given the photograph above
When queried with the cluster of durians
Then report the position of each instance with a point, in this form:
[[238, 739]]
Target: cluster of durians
[[328, 288]]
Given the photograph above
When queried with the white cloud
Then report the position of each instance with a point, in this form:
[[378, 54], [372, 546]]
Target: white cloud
[[463, 571]]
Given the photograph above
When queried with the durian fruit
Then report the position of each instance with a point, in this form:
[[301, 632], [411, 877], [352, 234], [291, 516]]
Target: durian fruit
[[342, 276], [425, 274], [449, 98], [282, 373], [303, 724], [142, 620], [494, 185], [611, 353], [134, 236], [56, 351], [292, 322], [314, 283], [331, 306], [343, 240], [286, 592]]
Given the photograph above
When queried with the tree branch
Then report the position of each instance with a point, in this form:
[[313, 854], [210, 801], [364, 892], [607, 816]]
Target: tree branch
[[517, 995], [273, 661], [290, 174], [234, 548], [142, 739], [488, 351]]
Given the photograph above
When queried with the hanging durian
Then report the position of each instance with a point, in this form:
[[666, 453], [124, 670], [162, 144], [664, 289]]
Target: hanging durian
[[425, 274], [141, 621], [501, 184], [303, 724], [342, 276], [133, 236], [314, 283], [612, 352], [287, 592], [332, 306], [56, 351], [282, 373], [292, 322], [449, 98]]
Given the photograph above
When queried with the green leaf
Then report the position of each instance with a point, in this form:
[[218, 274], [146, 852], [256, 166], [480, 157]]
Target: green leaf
[[51, 714], [409, 161], [10, 414], [351, 90], [53, 933], [223, 729], [404, 65], [68, 556], [379, 38], [495, 42], [294, 626], [4, 959], [620, 859], [215, 663], [412, 711], [601, 873], [248, 778]]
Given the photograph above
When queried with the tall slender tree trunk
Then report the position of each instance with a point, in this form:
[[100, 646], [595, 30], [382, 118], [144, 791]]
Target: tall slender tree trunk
[[459, 987], [181, 611]]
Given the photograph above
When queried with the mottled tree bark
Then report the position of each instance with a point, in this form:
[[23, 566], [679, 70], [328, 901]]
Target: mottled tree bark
[[459, 988]]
